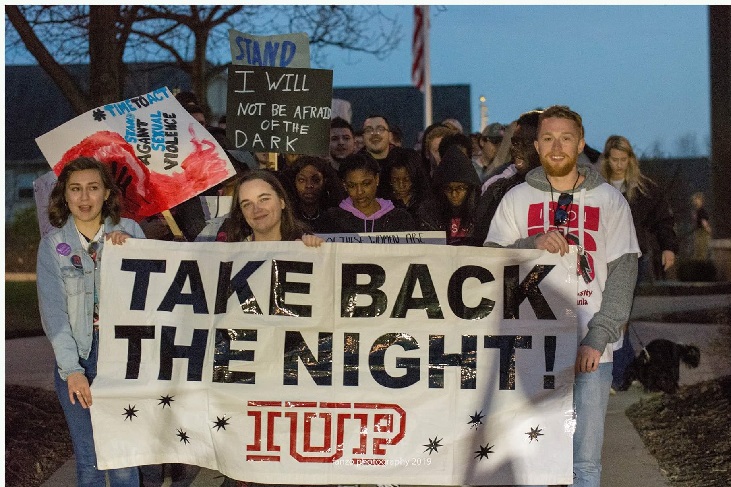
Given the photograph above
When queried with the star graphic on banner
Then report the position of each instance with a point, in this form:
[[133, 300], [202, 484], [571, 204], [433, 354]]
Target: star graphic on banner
[[484, 451], [183, 436], [476, 419], [433, 445], [220, 423], [534, 433], [166, 400], [130, 412], [99, 115]]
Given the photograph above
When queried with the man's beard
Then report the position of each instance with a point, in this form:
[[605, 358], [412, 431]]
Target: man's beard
[[558, 171]]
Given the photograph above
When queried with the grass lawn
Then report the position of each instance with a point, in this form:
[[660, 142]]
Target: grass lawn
[[22, 318]]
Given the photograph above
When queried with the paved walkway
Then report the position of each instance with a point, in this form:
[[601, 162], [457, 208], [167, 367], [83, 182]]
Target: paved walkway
[[626, 461]]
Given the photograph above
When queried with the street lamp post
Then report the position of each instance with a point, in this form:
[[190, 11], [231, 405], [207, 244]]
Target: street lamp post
[[483, 113]]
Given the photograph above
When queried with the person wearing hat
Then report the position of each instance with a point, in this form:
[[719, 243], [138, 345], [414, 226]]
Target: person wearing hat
[[490, 140], [452, 206]]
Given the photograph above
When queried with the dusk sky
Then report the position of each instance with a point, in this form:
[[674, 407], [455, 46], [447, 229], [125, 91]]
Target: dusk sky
[[637, 71]]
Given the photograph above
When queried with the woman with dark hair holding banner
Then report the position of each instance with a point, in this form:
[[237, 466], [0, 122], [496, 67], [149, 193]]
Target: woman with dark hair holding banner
[[85, 207]]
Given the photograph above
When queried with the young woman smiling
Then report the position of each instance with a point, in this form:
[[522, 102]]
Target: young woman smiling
[[262, 212]]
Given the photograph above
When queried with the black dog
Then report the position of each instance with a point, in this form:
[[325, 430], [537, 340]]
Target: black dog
[[657, 367]]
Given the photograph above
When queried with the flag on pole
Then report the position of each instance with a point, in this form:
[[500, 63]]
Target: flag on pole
[[418, 46]]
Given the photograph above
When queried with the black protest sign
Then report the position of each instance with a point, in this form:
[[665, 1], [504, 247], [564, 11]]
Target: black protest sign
[[283, 110]]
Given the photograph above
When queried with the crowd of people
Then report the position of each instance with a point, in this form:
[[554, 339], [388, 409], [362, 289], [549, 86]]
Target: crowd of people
[[529, 184]]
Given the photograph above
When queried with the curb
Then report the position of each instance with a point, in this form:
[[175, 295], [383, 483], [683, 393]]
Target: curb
[[20, 276]]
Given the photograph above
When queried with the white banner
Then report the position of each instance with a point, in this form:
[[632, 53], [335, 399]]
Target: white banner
[[277, 363]]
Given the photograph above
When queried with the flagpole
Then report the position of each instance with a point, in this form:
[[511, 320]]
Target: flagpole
[[427, 70]]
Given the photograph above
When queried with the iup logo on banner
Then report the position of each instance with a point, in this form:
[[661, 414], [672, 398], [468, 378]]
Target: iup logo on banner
[[377, 426]]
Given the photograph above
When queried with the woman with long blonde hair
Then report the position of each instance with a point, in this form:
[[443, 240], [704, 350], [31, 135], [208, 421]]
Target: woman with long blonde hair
[[651, 214], [619, 163], [650, 209]]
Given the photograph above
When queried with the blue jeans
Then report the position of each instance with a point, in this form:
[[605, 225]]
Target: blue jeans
[[82, 436], [591, 396]]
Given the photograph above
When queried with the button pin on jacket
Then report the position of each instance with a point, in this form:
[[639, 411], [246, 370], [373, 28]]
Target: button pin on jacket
[[76, 261], [63, 248]]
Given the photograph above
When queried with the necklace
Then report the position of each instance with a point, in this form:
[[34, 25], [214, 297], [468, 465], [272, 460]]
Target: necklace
[[578, 175], [87, 242], [311, 218]]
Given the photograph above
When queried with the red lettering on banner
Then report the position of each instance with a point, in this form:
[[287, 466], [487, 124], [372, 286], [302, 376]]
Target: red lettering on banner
[[309, 448], [591, 223], [317, 430]]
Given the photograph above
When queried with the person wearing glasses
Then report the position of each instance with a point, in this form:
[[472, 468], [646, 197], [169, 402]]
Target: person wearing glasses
[[524, 159], [376, 137], [560, 204], [452, 206], [85, 207]]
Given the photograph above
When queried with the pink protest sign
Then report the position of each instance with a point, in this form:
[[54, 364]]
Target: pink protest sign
[[158, 153]]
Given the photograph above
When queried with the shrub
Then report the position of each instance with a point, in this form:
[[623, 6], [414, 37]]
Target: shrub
[[22, 236]]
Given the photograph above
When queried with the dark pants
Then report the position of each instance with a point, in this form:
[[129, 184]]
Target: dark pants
[[622, 358]]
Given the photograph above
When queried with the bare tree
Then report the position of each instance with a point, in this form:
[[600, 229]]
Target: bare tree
[[655, 151], [687, 145], [95, 34], [193, 38]]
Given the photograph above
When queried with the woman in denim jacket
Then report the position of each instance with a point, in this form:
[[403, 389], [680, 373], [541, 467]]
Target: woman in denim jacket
[[85, 207]]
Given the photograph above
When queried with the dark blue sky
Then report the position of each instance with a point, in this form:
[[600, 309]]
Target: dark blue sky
[[637, 71]]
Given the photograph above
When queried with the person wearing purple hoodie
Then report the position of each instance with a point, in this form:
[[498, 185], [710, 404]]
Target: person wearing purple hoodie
[[361, 211]]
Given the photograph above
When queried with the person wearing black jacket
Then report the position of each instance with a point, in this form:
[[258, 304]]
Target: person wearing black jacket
[[652, 216], [451, 207], [651, 210], [524, 157]]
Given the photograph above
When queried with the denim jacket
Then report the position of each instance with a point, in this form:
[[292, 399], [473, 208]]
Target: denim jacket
[[66, 291]]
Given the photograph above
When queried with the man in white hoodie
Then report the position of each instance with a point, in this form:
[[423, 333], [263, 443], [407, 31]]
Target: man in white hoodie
[[562, 203]]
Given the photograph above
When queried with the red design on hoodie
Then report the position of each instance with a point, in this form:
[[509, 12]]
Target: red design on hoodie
[[591, 224]]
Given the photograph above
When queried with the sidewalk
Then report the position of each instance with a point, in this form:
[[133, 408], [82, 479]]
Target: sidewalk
[[626, 461]]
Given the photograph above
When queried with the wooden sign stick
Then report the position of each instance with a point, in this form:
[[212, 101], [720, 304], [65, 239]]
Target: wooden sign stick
[[177, 233]]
